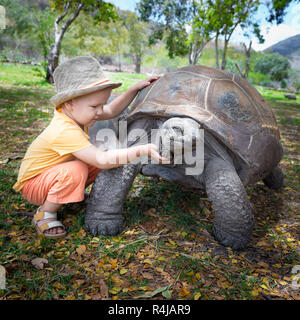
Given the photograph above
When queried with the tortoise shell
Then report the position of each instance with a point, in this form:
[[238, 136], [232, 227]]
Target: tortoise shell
[[223, 103]]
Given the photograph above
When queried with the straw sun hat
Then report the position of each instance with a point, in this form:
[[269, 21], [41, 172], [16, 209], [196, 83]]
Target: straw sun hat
[[77, 77]]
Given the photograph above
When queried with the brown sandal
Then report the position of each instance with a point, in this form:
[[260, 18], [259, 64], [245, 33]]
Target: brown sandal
[[41, 215]]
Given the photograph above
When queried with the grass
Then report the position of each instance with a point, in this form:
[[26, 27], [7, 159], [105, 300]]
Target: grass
[[127, 80], [23, 75], [166, 242]]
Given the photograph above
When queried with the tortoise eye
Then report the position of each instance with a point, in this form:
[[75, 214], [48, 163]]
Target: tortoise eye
[[179, 129]]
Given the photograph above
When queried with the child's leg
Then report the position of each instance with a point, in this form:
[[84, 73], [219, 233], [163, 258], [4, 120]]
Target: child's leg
[[50, 206], [92, 175], [63, 183]]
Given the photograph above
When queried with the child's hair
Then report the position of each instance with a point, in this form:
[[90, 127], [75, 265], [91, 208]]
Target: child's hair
[[62, 105]]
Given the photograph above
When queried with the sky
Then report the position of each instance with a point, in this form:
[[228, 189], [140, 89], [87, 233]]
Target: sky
[[272, 33]]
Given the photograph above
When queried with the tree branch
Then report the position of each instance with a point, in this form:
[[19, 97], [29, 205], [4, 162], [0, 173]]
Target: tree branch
[[59, 36], [239, 70], [75, 15], [66, 9]]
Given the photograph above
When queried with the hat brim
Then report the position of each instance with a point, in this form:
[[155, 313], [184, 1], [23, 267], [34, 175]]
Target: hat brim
[[64, 96]]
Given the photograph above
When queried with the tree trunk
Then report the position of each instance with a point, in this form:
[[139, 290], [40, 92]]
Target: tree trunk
[[52, 61], [191, 54], [248, 55], [119, 58], [217, 51], [228, 35], [54, 51], [196, 49], [138, 65], [223, 65]]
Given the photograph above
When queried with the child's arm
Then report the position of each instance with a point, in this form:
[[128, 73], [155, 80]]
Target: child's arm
[[116, 107], [118, 157]]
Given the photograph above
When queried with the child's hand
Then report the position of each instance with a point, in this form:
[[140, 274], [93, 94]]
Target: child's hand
[[145, 83], [152, 151]]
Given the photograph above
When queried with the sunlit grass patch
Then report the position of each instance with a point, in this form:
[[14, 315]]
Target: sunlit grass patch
[[23, 76]]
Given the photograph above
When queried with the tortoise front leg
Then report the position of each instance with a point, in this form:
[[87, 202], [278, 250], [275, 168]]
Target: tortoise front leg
[[105, 203], [233, 221], [275, 179]]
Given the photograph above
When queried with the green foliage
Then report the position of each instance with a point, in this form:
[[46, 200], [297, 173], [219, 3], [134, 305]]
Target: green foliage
[[259, 78], [228, 14], [101, 11], [297, 85], [42, 31], [277, 10], [116, 37], [175, 14], [230, 65], [158, 58], [283, 83], [137, 37], [19, 18], [125, 40], [171, 20], [206, 20], [68, 12], [176, 42], [232, 13], [28, 24], [274, 65]]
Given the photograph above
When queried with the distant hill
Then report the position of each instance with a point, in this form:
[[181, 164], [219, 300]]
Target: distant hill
[[289, 48]]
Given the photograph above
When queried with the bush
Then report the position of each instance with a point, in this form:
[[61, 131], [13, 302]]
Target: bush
[[275, 65], [283, 84], [297, 85], [259, 78], [230, 65], [159, 59]]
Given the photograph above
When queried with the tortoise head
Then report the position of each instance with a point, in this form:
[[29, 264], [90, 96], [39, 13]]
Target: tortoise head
[[177, 136]]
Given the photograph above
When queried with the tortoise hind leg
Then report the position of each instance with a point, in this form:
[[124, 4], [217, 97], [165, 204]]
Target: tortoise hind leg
[[275, 179], [233, 221]]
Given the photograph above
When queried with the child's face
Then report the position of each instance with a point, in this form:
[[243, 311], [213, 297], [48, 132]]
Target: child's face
[[88, 109]]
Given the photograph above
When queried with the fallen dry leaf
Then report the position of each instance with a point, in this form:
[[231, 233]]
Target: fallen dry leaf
[[123, 271], [39, 262], [103, 290], [147, 275], [81, 249], [184, 292], [263, 243], [24, 257]]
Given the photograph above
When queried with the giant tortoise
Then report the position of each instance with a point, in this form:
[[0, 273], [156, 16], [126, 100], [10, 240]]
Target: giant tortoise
[[241, 146]]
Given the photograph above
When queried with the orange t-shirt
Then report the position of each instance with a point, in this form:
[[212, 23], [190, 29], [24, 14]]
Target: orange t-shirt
[[53, 146]]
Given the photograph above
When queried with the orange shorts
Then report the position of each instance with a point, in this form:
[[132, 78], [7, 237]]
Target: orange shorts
[[63, 183]]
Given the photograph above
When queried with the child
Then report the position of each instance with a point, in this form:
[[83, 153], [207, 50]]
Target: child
[[61, 162]]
